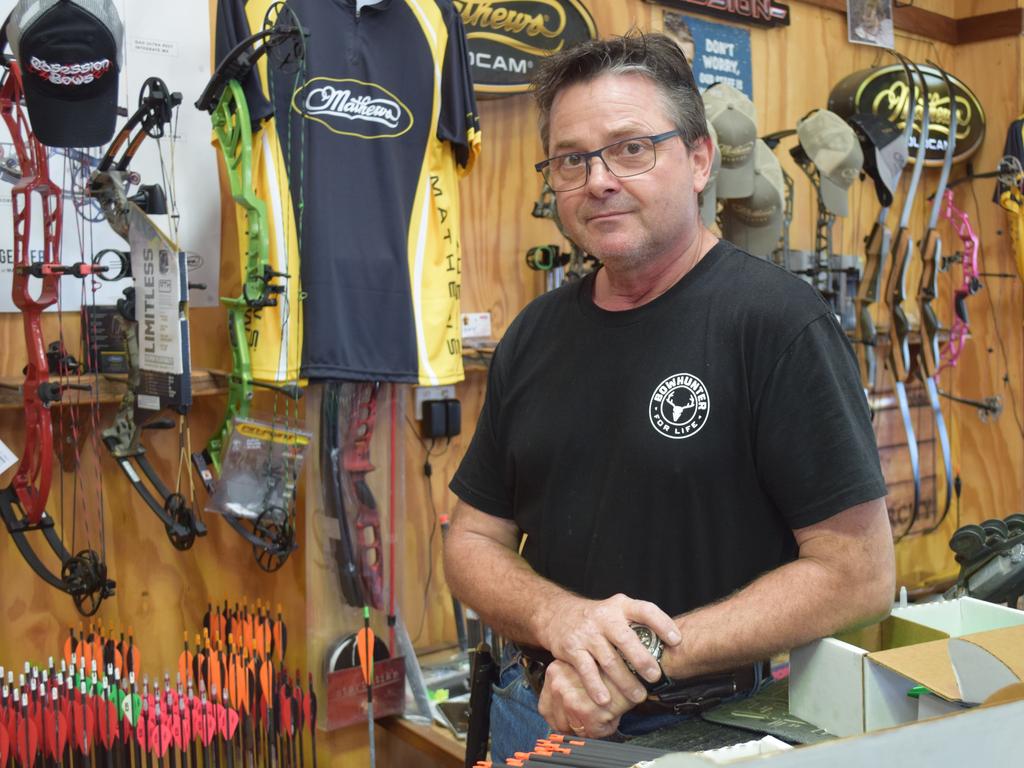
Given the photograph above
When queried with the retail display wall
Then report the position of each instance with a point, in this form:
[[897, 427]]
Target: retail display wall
[[161, 590]]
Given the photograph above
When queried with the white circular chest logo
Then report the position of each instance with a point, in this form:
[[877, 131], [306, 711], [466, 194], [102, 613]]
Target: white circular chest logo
[[679, 406]]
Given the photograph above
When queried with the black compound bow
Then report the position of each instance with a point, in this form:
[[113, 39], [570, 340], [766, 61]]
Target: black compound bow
[[129, 218]]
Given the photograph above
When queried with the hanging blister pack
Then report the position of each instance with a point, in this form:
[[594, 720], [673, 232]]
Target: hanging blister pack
[[259, 475]]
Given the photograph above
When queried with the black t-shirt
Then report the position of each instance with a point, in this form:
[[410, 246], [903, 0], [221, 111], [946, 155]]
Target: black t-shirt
[[668, 451]]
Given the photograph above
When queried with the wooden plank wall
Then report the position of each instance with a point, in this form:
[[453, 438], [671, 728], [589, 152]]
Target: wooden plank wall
[[794, 69], [161, 591]]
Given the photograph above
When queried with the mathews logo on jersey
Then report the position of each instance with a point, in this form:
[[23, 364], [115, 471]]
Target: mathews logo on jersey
[[353, 108], [679, 406]]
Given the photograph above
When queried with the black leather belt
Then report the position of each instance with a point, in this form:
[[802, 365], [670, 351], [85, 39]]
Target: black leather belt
[[685, 697]]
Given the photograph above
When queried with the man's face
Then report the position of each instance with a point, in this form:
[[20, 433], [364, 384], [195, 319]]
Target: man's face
[[632, 221]]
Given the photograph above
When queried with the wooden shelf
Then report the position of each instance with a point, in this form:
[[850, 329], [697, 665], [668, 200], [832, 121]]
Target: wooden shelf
[[112, 387], [478, 358], [431, 744]]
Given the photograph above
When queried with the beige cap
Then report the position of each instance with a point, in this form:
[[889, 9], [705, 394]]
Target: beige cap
[[709, 197], [832, 146], [732, 115], [754, 224]]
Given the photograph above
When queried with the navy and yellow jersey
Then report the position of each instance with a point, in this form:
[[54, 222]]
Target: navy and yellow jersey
[[390, 121], [274, 333]]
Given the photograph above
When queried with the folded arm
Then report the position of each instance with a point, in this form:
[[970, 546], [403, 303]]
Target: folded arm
[[844, 576], [485, 571]]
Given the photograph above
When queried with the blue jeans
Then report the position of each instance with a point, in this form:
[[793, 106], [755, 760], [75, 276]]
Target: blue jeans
[[516, 724]]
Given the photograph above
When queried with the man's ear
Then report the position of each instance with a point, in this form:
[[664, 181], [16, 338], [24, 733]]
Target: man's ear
[[701, 157]]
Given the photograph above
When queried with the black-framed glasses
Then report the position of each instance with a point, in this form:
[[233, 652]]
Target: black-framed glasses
[[628, 157]]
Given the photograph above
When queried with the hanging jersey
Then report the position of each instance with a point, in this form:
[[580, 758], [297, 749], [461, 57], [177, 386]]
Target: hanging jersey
[[274, 333], [388, 107]]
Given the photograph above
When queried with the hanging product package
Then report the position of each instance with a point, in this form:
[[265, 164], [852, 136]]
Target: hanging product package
[[260, 471]]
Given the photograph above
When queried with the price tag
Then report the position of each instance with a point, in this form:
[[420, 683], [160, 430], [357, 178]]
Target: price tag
[[7, 458]]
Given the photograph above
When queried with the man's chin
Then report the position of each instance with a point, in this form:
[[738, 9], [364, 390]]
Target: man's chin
[[618, 259]]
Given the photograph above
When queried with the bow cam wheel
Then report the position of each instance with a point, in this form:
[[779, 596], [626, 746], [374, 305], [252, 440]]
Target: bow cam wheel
[[184, 536], [85, 580], [276, 533]]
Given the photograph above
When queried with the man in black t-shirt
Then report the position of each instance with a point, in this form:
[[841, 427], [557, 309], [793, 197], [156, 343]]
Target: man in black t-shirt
[[681, 436]]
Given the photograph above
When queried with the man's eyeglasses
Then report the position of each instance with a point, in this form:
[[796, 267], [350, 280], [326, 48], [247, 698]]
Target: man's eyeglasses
[[629, 157]]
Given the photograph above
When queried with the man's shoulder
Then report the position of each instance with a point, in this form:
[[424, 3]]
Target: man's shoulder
[[756, 282], [549, 310]]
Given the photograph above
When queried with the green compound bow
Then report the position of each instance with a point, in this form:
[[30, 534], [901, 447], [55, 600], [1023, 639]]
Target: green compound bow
[[282, 37]]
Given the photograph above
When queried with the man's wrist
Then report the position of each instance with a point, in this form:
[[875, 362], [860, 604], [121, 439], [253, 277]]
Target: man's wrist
[[674, 657], [650, 640], [542, 619]]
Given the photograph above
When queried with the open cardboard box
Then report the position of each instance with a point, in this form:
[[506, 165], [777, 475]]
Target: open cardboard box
[[961, 671], [835, 684]]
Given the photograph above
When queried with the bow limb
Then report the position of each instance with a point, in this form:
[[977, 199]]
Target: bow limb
[[927, 289], [334, 497], [244, 56], [899, 324]]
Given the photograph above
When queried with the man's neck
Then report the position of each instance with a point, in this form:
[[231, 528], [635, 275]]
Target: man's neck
[[618, 290]]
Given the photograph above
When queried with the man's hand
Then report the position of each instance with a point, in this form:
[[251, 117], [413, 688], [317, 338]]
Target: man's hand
[[566, 705], [485, 571], [594, 636]]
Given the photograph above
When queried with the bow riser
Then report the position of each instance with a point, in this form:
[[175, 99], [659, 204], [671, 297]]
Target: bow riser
[[32, 481], [876, 255], [931, 257], [899, 329], [233, 129], [969, 284], [240, 383], [357, 465], [34, 475]]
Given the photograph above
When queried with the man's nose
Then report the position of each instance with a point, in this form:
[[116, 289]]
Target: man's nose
[[599, 176]]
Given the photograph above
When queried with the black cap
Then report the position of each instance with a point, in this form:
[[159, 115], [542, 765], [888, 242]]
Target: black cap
[[69, 52], [885, 152]]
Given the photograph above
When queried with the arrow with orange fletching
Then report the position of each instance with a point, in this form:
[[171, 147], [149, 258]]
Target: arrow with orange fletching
[[364, 647]]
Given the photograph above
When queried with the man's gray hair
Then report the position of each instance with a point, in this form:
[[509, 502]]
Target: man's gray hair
[[653, 55]]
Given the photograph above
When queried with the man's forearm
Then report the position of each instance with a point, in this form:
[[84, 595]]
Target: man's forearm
[[845, 576], [782, 609], [500, 585]]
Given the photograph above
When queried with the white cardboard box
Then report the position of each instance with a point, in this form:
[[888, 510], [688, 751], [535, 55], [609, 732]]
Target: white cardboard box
[[835, 684]]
